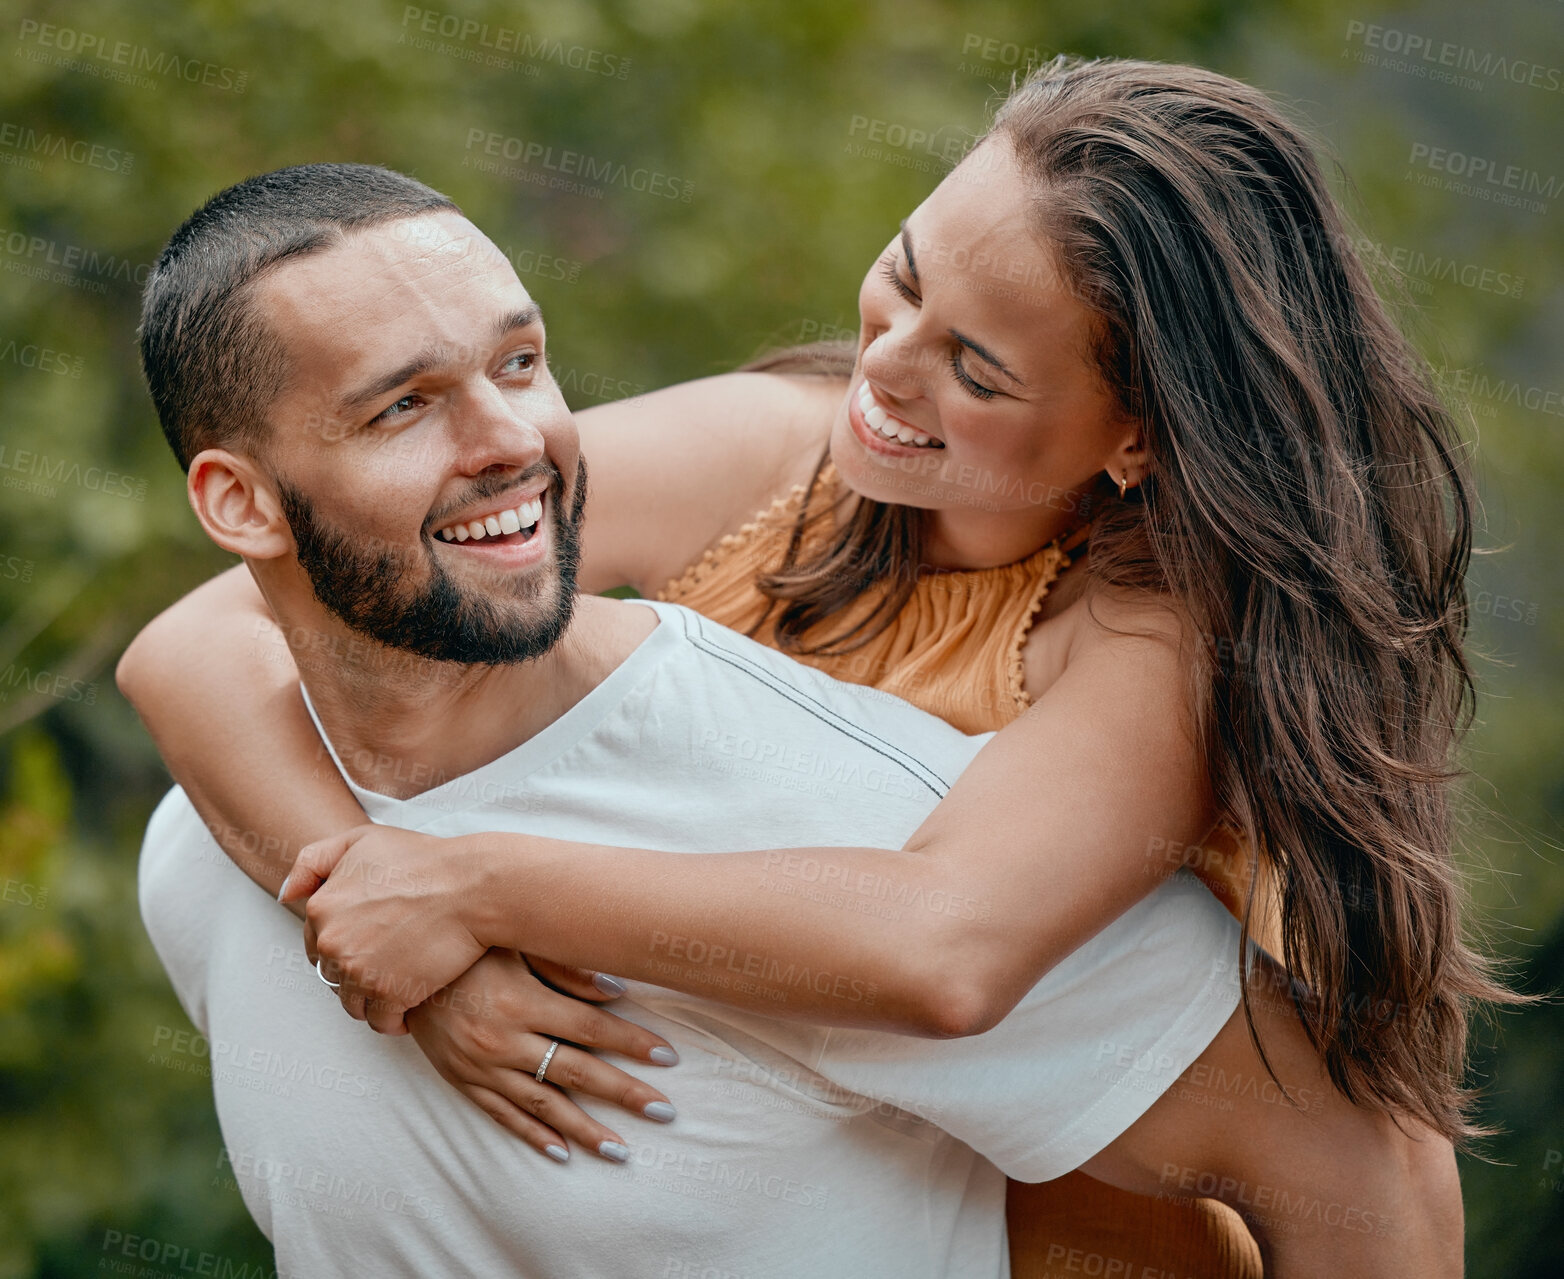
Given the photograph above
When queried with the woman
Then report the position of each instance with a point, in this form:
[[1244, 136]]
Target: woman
[[1168, 355]]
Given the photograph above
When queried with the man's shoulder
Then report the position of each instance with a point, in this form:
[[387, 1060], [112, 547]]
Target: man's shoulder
[[183, 881], [749, 684]]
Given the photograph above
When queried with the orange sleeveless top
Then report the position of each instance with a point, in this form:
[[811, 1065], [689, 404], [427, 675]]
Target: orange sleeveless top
[[954, 650]]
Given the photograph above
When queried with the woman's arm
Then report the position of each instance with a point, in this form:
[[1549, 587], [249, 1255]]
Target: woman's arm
[[673, 471], [1061, 823], [215, 683]]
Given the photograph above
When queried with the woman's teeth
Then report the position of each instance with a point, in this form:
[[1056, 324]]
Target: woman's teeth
[[890, 427], [521, 517]]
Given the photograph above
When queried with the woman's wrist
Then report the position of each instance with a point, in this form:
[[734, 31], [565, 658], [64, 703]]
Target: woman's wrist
[[498, 874]]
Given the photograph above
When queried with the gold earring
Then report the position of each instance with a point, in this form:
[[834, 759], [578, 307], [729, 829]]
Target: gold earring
[[1124, 483]]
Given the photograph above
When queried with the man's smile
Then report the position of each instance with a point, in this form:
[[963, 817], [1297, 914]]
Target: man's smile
[[510, 525]]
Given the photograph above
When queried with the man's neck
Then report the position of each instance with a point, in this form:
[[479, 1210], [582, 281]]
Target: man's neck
[[402, 724]]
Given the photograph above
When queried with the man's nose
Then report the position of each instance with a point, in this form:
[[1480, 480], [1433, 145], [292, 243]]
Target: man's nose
[[492, 429]]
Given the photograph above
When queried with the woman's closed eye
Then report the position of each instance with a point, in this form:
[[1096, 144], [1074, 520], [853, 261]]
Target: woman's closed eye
[[968, 383], [893, 278]]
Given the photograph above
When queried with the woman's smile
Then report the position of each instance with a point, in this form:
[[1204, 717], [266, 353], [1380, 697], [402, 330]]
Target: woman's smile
[[881, 432]]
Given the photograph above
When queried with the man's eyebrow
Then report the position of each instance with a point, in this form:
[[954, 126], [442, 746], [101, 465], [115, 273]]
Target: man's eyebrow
[[520, 319], [432, 357], [352, 402]]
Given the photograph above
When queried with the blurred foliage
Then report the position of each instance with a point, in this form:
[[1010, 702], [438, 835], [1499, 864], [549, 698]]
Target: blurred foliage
[[757, 108]]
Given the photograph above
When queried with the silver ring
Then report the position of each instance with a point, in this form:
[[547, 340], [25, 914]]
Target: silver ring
[[553, 1047], [335, 985]]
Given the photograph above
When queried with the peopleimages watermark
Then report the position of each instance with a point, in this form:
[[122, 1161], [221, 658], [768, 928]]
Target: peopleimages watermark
[[544, 266], [255, 1068], [1282, 1210], [1484, 393], [39, 473], [1480, 177], [43, 359], [1420, 270], [420, 26], [136, 1255], [95, 54], [45, 683], [18, 892], [992, 56], [717, 964], [560, 168], [865, 892], [27, 144], [320, 1189], [675, 1267], [13, 568], [800, 1090], [834, 771], [717, 1180], [589, 385], [1504, 608], [1442, 60], [905, 146], [69, 264]]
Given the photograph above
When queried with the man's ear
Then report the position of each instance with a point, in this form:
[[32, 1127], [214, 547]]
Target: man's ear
[[237, 505]]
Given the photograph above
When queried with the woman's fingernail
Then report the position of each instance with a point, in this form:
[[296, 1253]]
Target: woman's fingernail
[[609, 985], [662, 1111], [614, 1150], [664, 1056], [557, 1153]]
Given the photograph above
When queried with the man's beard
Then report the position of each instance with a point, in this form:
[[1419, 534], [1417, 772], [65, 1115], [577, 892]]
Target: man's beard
[[440, 620]]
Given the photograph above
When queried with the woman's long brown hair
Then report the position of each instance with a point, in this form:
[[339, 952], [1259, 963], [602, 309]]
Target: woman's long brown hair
[[1308, 507]]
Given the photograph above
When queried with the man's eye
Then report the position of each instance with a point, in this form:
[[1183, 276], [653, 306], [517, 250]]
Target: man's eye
[[405, 405], [521, 361]]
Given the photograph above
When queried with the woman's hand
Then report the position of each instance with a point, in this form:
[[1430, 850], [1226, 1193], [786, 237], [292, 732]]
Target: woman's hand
[[488, 1031], [385, 917]]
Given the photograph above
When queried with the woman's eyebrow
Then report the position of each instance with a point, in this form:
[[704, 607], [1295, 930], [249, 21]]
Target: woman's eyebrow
[[985, 354], [982, 352], [906, 246]]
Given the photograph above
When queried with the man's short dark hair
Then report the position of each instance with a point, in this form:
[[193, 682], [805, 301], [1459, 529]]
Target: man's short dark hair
[[211, 363]]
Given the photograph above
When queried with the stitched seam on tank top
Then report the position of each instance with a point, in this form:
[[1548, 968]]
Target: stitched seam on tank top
[[1016, 667], [803, 702], [821, 712]]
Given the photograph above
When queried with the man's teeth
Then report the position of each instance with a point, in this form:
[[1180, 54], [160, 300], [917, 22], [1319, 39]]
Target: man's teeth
[[882, 422], [512, 521]]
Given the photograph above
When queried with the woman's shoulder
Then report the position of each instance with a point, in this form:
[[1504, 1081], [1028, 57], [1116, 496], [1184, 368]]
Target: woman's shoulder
[[1104, 626], [1110, 613]]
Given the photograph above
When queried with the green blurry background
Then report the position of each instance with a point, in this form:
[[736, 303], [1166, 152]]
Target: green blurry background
[[794, 129]]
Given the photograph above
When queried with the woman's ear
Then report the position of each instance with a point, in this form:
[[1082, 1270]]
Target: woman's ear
[[237, 505], [1130, 459]]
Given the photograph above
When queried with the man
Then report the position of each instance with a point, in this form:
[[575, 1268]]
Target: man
[[350, 371]]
